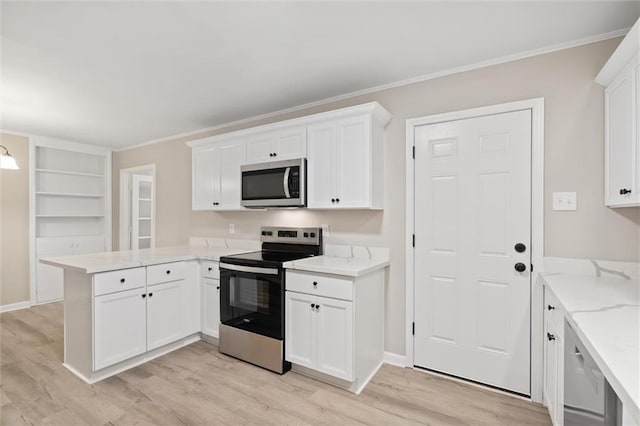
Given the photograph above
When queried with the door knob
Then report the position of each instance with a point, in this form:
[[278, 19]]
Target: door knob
[[520, 267], [520, 247], [625, 191], [551, 337]]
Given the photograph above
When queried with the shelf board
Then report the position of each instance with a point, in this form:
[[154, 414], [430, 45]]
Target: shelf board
[[65, 172], [144, 218], [64, 194], [68, 215], [144, 238], [145, 199]]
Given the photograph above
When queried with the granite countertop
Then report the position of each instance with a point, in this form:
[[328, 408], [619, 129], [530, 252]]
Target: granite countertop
[[605, 313], [115, 260]]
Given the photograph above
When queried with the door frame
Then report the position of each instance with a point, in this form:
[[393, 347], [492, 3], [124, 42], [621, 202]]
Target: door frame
[[125, 205], [536, 105]]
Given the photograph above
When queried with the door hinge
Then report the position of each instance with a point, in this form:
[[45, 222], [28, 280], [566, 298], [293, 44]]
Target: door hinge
[[413, 240], [414, 152], [413, 328]]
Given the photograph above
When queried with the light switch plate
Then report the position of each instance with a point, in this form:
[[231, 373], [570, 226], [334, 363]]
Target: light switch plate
[[565, 201], [232, 228]]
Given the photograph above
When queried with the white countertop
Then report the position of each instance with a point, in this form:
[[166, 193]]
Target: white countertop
[[114, 260], [349, 266], [605, 313]]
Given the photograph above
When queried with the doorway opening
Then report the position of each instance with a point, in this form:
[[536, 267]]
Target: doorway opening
[[137, 207]]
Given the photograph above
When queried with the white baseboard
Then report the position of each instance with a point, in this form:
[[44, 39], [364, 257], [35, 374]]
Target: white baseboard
[[395, 359], [15, 306]]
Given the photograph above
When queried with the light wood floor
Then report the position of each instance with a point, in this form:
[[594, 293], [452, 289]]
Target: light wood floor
[[198, 385]]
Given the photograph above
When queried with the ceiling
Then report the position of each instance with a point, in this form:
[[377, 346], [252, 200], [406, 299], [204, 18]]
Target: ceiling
[[123, 73]]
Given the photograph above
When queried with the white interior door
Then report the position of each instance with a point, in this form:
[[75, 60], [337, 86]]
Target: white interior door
[[142, 217], [472, 206]]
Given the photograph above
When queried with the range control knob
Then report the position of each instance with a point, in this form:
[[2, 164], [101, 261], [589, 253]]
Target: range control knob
[[312, 235], [306, 235]]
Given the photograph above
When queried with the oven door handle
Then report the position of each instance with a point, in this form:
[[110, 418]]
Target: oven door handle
[[285, 182], [250, 269]]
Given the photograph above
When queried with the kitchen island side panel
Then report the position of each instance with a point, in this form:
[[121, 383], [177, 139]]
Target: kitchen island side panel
[[78, 322]]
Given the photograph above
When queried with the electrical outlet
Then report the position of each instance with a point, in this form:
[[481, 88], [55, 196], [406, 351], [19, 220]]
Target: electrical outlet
[[565, 201], [325, 229], [232, 228]]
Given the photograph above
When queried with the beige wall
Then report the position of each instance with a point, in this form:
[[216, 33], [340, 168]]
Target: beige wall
[[14, 223], [573, 162]]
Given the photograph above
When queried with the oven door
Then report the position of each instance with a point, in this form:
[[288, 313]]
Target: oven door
[[252, 299]]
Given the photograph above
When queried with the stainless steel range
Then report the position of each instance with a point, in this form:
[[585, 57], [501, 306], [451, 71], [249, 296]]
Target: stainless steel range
[[252, 287]]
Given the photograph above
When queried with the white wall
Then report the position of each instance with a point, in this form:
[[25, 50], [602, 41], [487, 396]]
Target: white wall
[[573, 162]]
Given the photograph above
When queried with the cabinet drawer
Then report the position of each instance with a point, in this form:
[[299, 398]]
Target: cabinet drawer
[[210, 270], [125, 279], [553, 312], [165, 272], [320, 285]]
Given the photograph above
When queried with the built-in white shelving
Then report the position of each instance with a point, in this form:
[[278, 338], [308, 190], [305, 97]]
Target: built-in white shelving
[[70, 207]]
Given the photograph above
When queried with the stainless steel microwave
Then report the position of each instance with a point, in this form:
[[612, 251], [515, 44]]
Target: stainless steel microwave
[[275, 184]]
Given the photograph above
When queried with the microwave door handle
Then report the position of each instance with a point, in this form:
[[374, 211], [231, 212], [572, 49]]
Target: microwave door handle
[[285, 182]]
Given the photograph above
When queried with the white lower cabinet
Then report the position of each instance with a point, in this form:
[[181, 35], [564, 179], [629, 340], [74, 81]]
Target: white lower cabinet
[[130, 317], [319, 334], [334, 330], [210, 307], [165, 313], [120, 327], [553, 358], [301, 337], [334, 326]]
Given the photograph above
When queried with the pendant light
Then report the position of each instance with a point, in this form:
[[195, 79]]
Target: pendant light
[[7, 161]]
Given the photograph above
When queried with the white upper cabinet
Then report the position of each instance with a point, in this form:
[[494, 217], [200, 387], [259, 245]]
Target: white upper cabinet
[[345, 166], [343, 148], [216, 174], [285, 144], [621, 76]]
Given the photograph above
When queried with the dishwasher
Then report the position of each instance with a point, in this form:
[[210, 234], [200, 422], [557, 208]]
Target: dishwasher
[[588, 397]]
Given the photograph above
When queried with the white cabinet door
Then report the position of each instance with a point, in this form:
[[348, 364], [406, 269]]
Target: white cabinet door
[[119, 327], [210, 306], [49, 279], [206, 178], [300, 331], [291, 144], [50, 283], [260, 148], [232, 156], [551, 371], [352, 162], [622, 147], [334, 327], [164, 314], [321, 173], [191, 300], [284, 144]]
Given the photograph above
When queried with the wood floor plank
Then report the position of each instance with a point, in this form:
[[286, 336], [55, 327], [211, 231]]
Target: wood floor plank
[[198, 385]]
